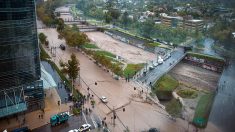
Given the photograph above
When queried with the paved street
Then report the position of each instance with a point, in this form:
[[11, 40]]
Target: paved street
[[73, 123], [118, 92], [155, 74]]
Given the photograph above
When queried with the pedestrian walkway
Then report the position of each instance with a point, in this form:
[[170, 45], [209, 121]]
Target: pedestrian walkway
[[36, 118]]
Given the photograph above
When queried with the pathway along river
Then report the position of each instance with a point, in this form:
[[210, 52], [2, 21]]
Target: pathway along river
[[222, 112]]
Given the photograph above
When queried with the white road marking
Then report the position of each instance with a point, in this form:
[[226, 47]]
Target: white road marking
[[84, 117], [93, 121]]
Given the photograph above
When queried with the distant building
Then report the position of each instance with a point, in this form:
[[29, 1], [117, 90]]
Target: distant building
[[186, 23], [194, 24], [171, 21]]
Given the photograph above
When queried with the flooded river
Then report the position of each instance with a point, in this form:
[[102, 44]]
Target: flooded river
[[222, 113]]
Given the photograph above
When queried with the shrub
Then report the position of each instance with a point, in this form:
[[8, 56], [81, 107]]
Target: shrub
[[76, 111], [187, 93]]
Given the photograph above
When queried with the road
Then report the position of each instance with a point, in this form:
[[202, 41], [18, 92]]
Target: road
[[74, 122], [156, 73]]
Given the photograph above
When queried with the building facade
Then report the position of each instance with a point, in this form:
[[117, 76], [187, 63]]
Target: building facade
[[194, 25], [180, 22], [20, 86]]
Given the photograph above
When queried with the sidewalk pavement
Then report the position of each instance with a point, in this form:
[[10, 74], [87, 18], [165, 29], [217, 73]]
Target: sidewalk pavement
[[32, 119]]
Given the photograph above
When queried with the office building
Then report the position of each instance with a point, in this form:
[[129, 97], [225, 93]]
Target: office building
[[20, 86]]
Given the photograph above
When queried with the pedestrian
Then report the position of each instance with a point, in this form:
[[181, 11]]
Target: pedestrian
[[42, 116], [39, 116]]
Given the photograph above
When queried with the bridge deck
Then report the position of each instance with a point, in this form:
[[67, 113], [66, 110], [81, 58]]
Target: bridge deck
[[154, 75]]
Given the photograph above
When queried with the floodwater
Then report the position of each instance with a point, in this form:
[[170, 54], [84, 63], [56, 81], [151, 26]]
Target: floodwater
[[222, 112]]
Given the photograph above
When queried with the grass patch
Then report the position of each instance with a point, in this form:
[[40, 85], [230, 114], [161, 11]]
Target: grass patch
[[106, 53], [186, 93], [164, 87], [133, 35], [203, 56], [203, 109], [131, 69], [152, 45], [90, 46], [167, 83], [43, 53], [174, 108]]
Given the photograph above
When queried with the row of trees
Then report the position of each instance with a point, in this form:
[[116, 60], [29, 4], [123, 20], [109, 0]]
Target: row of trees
[[149, 29], [222, 30], [45, 11], [72, 35], [106, 62]]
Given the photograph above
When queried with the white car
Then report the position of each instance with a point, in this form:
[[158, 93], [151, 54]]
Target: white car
[[104, 99], [160, 61], [155, 64], [84, 127], [74, 130], [151, 67]]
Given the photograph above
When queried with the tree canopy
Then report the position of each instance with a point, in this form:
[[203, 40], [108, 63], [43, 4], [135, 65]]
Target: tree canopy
[[71, 68]]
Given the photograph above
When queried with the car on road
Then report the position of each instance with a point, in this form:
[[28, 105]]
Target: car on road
[[74, 130], [84, 128], [154, 130], [104, 99], [62, 47]]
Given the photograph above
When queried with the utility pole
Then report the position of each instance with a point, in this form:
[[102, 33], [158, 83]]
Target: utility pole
[[114, 116]]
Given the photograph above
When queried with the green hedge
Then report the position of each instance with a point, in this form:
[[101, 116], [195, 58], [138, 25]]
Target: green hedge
[[203, 56], [106, 53], [43, 54], [152, 45], [202, 111], [90, 46]]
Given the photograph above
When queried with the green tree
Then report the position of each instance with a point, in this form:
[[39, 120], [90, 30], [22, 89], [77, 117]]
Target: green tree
[[125, 19], [42, 38], [72, 68], [60, 25], [108, 17], [146, 28]]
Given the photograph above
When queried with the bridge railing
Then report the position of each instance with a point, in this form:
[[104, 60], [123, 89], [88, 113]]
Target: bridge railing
[[172, 66]]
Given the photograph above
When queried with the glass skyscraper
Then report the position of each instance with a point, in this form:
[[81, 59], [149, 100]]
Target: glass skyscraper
[[20, 86]]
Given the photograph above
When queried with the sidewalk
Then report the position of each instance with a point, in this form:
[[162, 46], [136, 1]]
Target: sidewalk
[[32, 119]]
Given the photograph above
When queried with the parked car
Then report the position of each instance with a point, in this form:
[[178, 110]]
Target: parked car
[[155, 64], [104, 99], [160, 60], [151, 68], [85, 127]]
